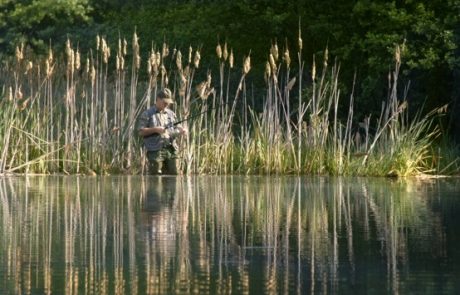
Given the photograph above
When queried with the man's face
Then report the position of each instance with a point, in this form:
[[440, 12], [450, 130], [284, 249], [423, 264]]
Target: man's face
[[161, 104]]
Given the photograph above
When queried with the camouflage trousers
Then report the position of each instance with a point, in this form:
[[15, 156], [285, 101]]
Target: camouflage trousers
[[163, 161]]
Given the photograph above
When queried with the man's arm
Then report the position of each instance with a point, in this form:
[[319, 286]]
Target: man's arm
[[146, 131], [144, 127]]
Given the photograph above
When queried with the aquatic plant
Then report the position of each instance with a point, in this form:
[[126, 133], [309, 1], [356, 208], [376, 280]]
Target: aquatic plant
[[77, 113]]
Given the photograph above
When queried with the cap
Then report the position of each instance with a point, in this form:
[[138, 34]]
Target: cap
[[165, 95]]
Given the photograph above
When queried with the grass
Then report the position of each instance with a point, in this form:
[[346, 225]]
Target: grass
[[77, 113]]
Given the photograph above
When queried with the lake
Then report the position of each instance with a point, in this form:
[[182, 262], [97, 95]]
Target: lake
[[229, 234]]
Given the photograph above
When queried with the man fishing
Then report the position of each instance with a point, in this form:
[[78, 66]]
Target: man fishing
[[158, 126]]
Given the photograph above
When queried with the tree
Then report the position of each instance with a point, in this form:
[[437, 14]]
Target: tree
[[37, 21], [364, 33]]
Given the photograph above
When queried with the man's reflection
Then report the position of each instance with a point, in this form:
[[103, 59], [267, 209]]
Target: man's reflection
[[158, 211], [166, 235], [160, 194]]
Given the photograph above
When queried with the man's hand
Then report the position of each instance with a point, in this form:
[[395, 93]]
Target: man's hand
[[160, 129], [182, 130]]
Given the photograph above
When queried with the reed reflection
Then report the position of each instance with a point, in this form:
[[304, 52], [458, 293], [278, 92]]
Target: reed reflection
[[211, 235]]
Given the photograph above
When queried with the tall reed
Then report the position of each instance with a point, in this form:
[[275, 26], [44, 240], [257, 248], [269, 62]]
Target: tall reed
[[77, 113]]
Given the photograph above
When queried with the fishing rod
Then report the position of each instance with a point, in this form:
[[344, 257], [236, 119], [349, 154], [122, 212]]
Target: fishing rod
[[197, 115], [173, 125]]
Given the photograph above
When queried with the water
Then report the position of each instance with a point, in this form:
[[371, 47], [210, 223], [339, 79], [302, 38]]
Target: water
[[239, 235]]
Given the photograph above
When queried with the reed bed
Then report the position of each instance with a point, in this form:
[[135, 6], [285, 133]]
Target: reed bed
[[76, 113]]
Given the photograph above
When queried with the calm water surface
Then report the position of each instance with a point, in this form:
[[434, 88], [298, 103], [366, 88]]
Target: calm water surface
[[239, 235]]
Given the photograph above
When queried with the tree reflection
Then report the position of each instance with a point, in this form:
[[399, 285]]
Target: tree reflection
[[212, 235]]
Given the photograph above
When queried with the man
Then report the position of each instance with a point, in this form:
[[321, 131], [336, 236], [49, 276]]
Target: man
[[156, 126]]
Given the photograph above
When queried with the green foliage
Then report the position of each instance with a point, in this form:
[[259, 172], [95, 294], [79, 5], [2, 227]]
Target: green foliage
[[36, 22], [361, 34]]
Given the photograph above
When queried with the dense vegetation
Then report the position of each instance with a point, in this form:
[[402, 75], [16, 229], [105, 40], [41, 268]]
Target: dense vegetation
[[361, 34], [358, 38]]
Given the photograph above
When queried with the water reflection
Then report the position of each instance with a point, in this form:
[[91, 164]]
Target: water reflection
[[213, 235]]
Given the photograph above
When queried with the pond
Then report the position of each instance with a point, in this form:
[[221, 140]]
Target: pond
[[228, 234]]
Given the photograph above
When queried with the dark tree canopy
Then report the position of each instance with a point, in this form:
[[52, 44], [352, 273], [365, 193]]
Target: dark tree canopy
[[361, 34]]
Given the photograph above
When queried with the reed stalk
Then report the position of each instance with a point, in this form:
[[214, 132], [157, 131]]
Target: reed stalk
[[66, 119]]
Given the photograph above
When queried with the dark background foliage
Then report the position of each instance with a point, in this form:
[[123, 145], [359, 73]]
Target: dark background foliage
[[360, 34]]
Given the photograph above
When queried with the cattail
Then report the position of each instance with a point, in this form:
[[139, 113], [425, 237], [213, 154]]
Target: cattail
[[93, 74], [105, 52], [118, 62], [219, 51], [20, 52], [135, 42], [183, 79], [98, 42], [398, 54], [182, 84], [268, 70], [125, 47], [24, 104], [157, 58], [72, 60], [87, 65], [104, 45], [50, 55], [122, 63], [326, 57], [68, 48], [271, 58], [225, 54], [48, 68], [151, 61], [149, 66], [190, 51], [137, 61], [120, 47], [179, 60], [153, 58], [196, 60], [29, 66], [201, 90], [204, 88], [299, 41], [19, 94], [77, 60], [231, 59], [247, 65], [287, 58], [402, 106], [313, 70], [10, 94], [70, 55], [274, 51], [137, 57], [165, 50]]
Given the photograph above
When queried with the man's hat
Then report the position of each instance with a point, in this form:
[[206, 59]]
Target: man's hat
[[165, 95]]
